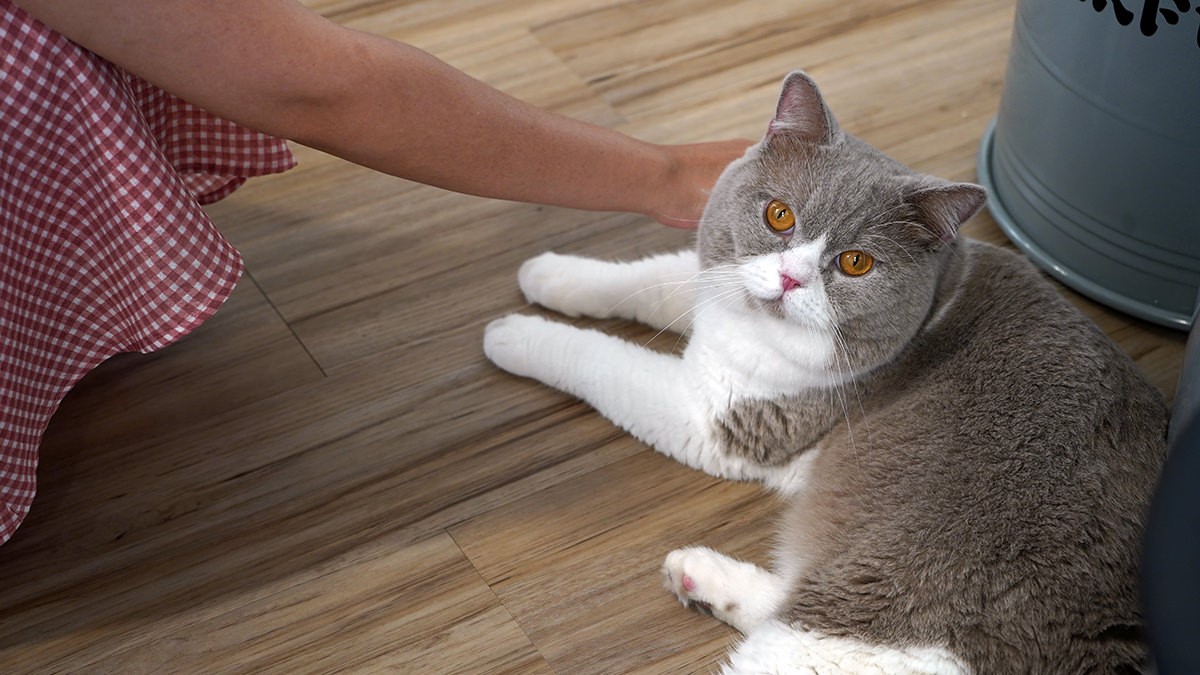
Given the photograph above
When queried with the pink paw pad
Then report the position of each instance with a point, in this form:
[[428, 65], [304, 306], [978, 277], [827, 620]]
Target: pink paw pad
[[689, 584]]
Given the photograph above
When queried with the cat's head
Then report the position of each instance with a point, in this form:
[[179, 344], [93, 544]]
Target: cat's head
[[825, 232]]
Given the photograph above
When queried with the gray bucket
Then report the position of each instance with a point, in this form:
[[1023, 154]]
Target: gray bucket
[[1093, 161]]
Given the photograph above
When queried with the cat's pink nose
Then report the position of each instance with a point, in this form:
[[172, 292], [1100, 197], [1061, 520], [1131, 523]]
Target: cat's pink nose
[[789, 283]]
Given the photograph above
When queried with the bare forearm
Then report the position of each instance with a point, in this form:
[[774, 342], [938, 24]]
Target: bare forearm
[[416, 117], [275, 66]]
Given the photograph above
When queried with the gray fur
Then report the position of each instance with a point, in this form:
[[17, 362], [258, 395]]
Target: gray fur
[[982, 479]]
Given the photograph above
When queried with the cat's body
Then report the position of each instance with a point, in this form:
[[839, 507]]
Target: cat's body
[[968, 458]]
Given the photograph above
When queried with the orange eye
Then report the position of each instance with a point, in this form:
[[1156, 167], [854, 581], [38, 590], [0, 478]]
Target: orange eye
[[856, 263], [779, 217]]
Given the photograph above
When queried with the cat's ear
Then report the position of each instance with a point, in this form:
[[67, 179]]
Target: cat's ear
[[802, 112], [942, 209]]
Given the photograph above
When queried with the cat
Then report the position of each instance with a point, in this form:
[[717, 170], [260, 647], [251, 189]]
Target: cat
[[967, 459]]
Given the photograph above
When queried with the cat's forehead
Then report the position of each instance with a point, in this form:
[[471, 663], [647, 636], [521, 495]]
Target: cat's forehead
[[826, 191], [799, 168]]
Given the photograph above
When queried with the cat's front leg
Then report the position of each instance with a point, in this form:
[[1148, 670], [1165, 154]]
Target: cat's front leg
[[658, 291], [739, 593], [651, 395], [640, 390]]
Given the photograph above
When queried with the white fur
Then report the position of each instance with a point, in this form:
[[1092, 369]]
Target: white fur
[[658, 291], [774, 648], [642, 391], [735, 353], [747, 355], [739, 593]]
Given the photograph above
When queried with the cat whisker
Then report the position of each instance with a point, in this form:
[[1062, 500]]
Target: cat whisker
[[697, 309], [877, 236], [679, 284], [845, 378]]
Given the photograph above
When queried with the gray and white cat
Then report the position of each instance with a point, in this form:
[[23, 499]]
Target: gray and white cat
[[968, 459]]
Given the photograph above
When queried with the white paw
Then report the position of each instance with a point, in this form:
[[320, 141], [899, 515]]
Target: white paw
[[739, 593], [694, 575], [550, 280], [510, 342]]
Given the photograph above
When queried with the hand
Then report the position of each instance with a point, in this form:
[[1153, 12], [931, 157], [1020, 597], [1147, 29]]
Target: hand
[[694, 170]]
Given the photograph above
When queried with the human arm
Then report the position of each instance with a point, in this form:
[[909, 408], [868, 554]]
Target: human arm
[[277, 67]]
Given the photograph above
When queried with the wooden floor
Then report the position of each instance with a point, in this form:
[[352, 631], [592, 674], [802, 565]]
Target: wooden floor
[[329, 476]]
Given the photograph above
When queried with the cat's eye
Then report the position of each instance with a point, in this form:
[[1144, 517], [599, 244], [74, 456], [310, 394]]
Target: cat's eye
[[855, 263], [779, 217]]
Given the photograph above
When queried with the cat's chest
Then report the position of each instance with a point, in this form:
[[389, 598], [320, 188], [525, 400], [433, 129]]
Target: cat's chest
[[737, 356]]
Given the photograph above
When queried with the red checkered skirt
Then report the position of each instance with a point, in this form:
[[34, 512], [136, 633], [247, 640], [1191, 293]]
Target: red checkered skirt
[[103, 245]]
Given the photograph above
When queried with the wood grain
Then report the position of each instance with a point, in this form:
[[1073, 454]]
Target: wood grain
[[328, 476]]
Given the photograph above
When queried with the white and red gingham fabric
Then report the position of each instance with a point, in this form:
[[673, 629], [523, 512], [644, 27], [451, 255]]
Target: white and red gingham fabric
[[103, 245]]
